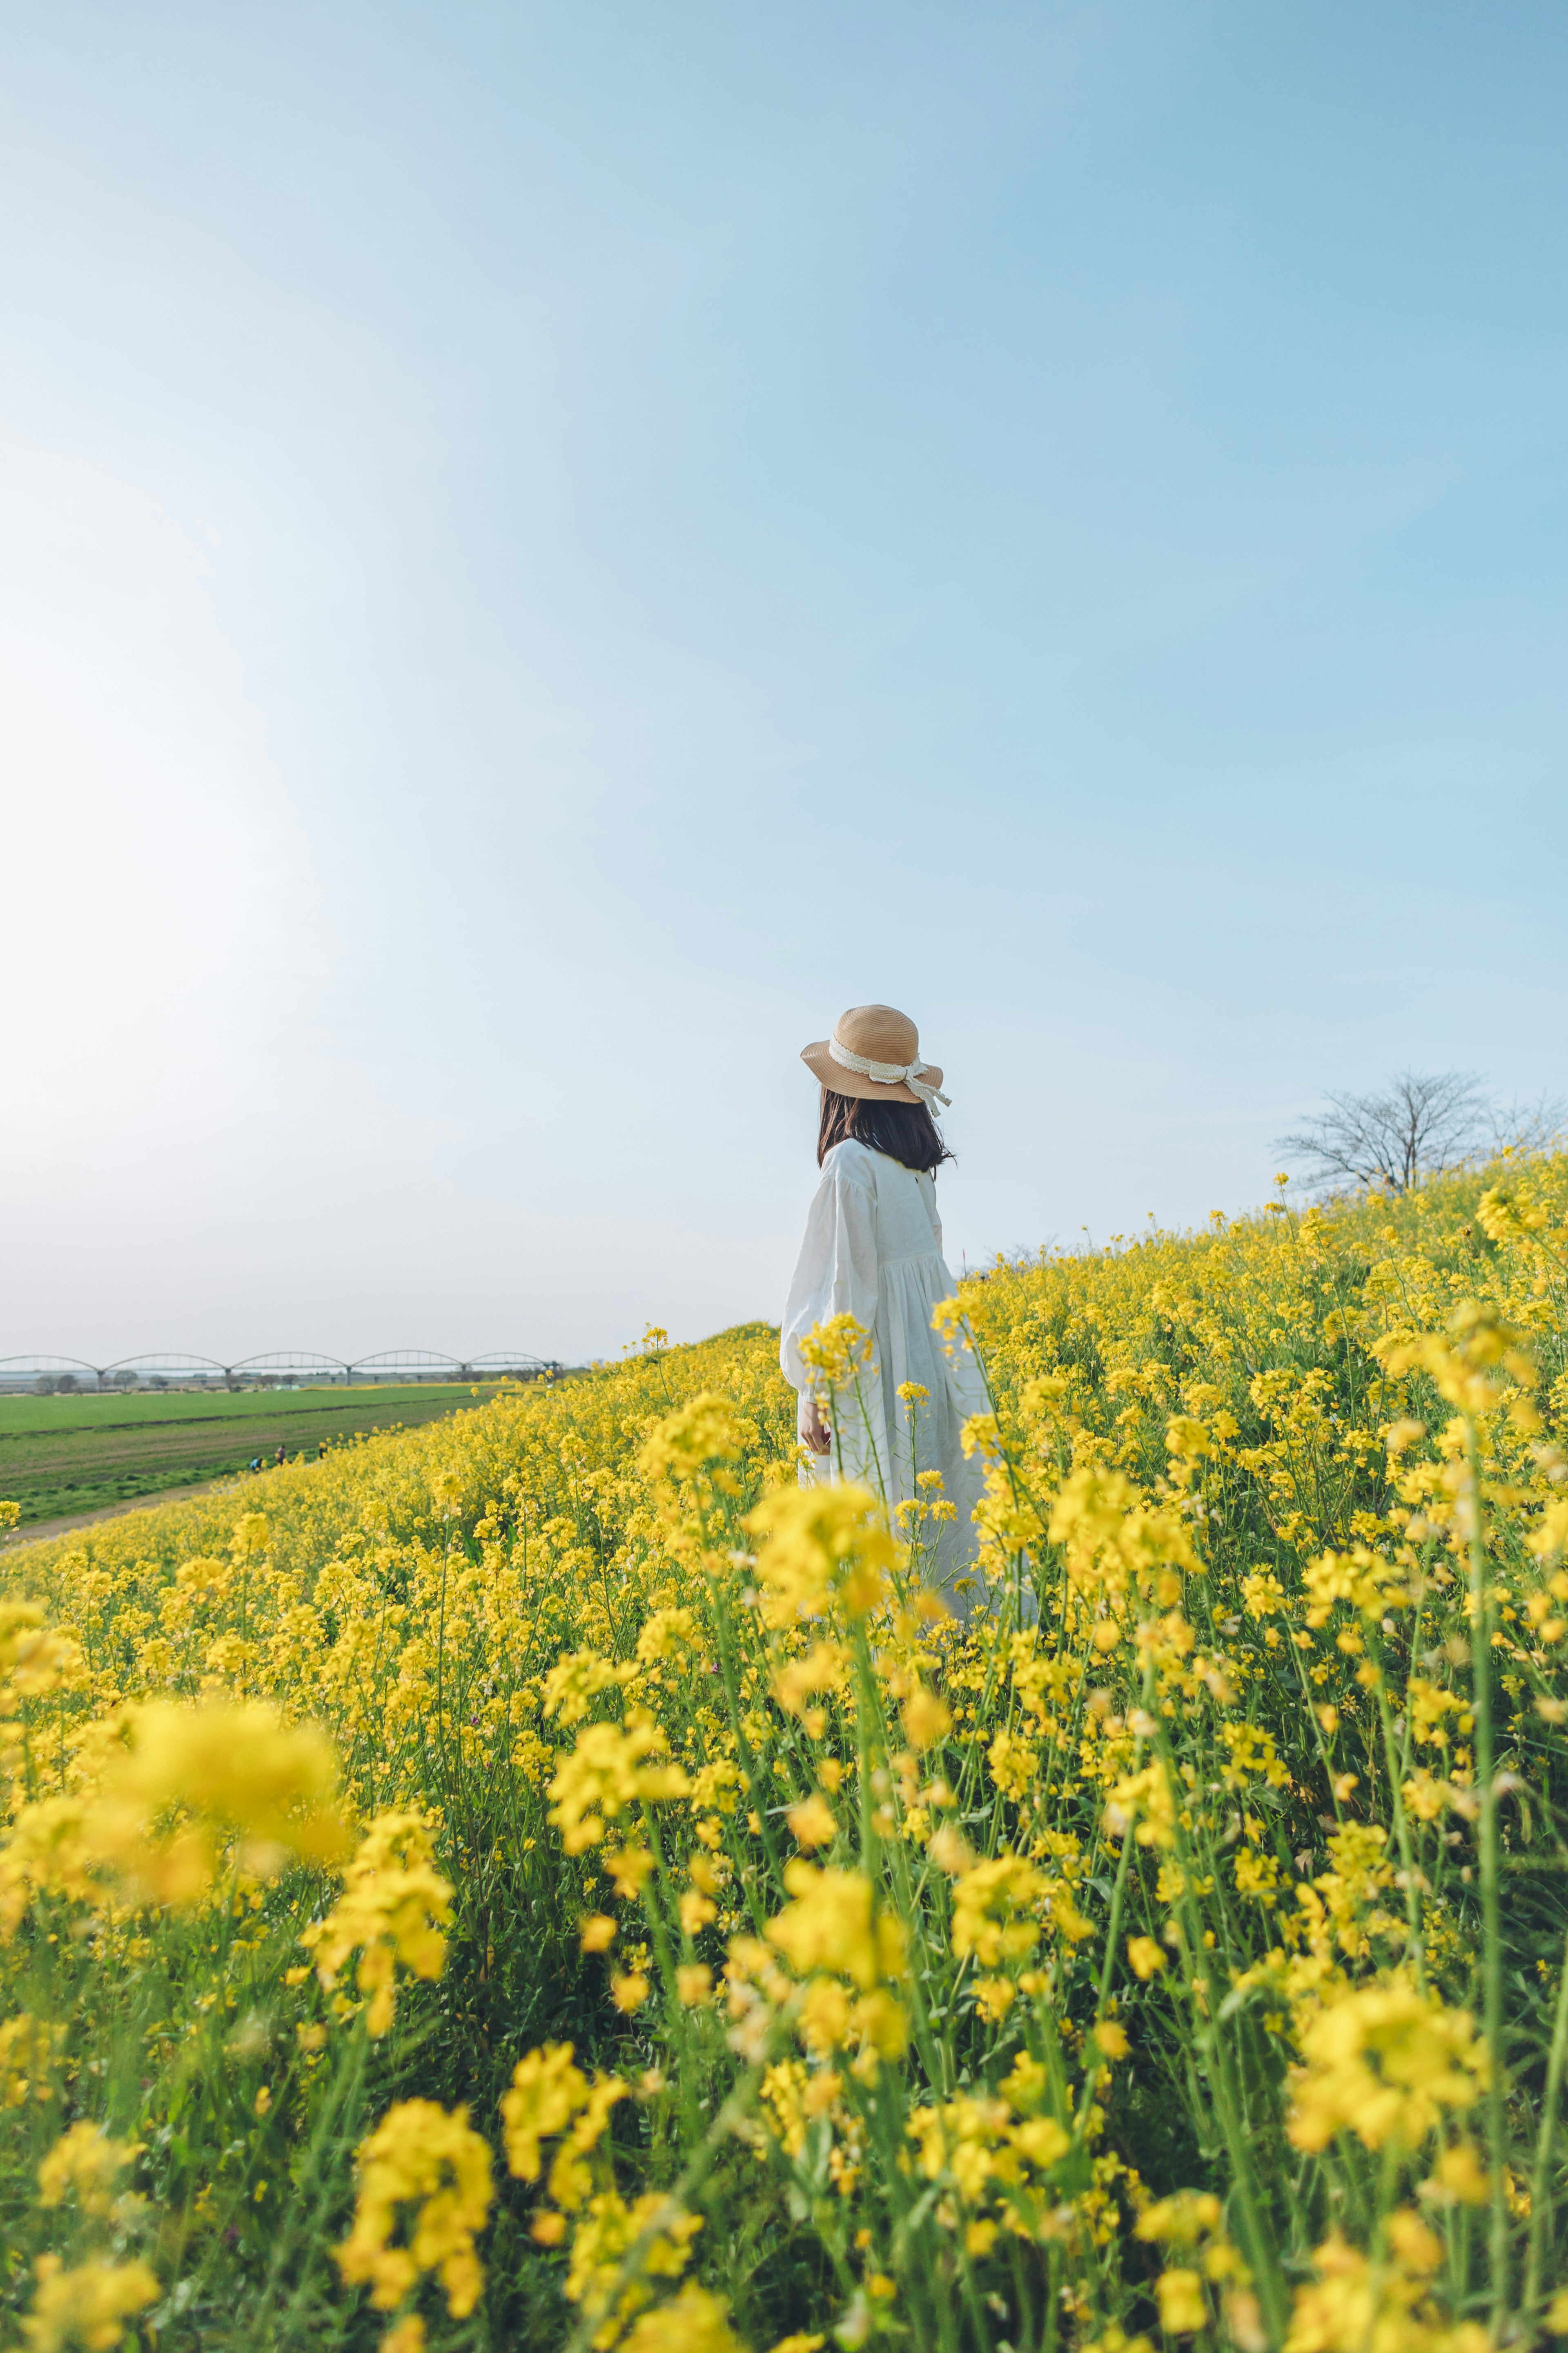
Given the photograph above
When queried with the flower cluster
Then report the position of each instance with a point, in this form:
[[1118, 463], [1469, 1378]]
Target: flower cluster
[[1169, 1951]]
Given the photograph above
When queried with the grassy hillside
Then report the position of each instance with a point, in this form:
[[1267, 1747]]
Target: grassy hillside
[[1177, 1952], [66, 1454]]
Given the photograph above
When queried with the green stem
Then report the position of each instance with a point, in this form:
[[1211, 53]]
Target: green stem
[[1492, 1919], [1402, 1831], [749, 1766], [698, 2166], [1540, 2188], [1257, 2236], [1118, 1899], [310, 2201]]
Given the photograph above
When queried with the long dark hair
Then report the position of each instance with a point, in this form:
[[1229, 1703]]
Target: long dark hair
[[905, 1131]]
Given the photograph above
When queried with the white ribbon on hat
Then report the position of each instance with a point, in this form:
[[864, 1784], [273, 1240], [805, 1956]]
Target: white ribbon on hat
[[890, 1074]]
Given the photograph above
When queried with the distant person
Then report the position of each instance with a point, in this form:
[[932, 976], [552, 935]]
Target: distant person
[[256, 1462], [873, 1251], [281, 1455]]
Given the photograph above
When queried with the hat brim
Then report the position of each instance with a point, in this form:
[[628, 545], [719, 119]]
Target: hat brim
[[822, 1066]]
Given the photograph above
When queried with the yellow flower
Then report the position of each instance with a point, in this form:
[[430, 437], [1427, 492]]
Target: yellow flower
[[951, 1851], [1144, 1799], [834, 1925], [233, 1772], [1014, 1762], [1385, 2064], [987, 1903], [1181, 2221], [547, 2091], [1183, 2311], [393, 1909], [27, 2050], [966, 2138], [1112, 1536], [822, 1668], [695, 2322], [461, 1597], [812, 1822], [836, 1351], [1257, 1875], [86, 2160], [425, 2156], [696, 1911], [666, 1633], [34, 1657], [1459, 2179], [1550, 1535], [1480, 1343], [926, 1719], [628, 1868], [1042, 2140], [88, 2307], [1357, 2306], [609, 1773], [606, 2229], [699, 1442], [570, 2178], [573, 1682], [821, 1545], [994, 1998]]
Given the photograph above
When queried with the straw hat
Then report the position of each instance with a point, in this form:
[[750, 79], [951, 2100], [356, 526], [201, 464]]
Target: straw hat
[[875, 1052]]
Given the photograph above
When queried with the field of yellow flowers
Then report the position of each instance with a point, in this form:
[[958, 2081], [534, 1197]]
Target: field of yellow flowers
[[548, 1880]]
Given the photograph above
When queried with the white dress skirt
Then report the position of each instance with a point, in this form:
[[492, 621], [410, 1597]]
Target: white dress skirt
[[873, 1251]]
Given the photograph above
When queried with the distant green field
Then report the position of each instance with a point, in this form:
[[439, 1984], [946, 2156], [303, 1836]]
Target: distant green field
[[66, 1454]]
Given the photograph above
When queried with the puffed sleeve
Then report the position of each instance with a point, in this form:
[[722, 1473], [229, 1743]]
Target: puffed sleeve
[[835, 1273]]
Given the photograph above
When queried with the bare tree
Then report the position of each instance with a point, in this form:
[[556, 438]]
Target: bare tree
[[1424, 1124], [1528, 1127]]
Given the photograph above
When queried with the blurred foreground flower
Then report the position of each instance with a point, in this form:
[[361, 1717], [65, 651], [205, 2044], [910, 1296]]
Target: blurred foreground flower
[[821, 1545], [1384, 2062], [88, 2307]]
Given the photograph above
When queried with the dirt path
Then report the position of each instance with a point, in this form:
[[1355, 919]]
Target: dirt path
[[37, 1531]]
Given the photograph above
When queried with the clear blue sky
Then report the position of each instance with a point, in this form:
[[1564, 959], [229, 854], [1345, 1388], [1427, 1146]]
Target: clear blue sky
[[544, 550]]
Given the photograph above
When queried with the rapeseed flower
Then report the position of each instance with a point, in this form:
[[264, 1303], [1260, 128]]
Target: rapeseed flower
[[1387, 2063], [609, 1773], [84, 2163], [1236, 1800], [394, 1907], [87, 2306], [425, 2157]]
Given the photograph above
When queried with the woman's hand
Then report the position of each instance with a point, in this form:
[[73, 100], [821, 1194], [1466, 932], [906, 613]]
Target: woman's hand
[[813, 1431]]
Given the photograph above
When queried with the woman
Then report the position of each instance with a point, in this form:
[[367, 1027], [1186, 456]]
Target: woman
[[873, 1251]]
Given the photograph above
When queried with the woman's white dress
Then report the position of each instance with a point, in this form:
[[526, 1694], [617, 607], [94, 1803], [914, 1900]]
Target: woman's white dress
[[873, 1251]]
